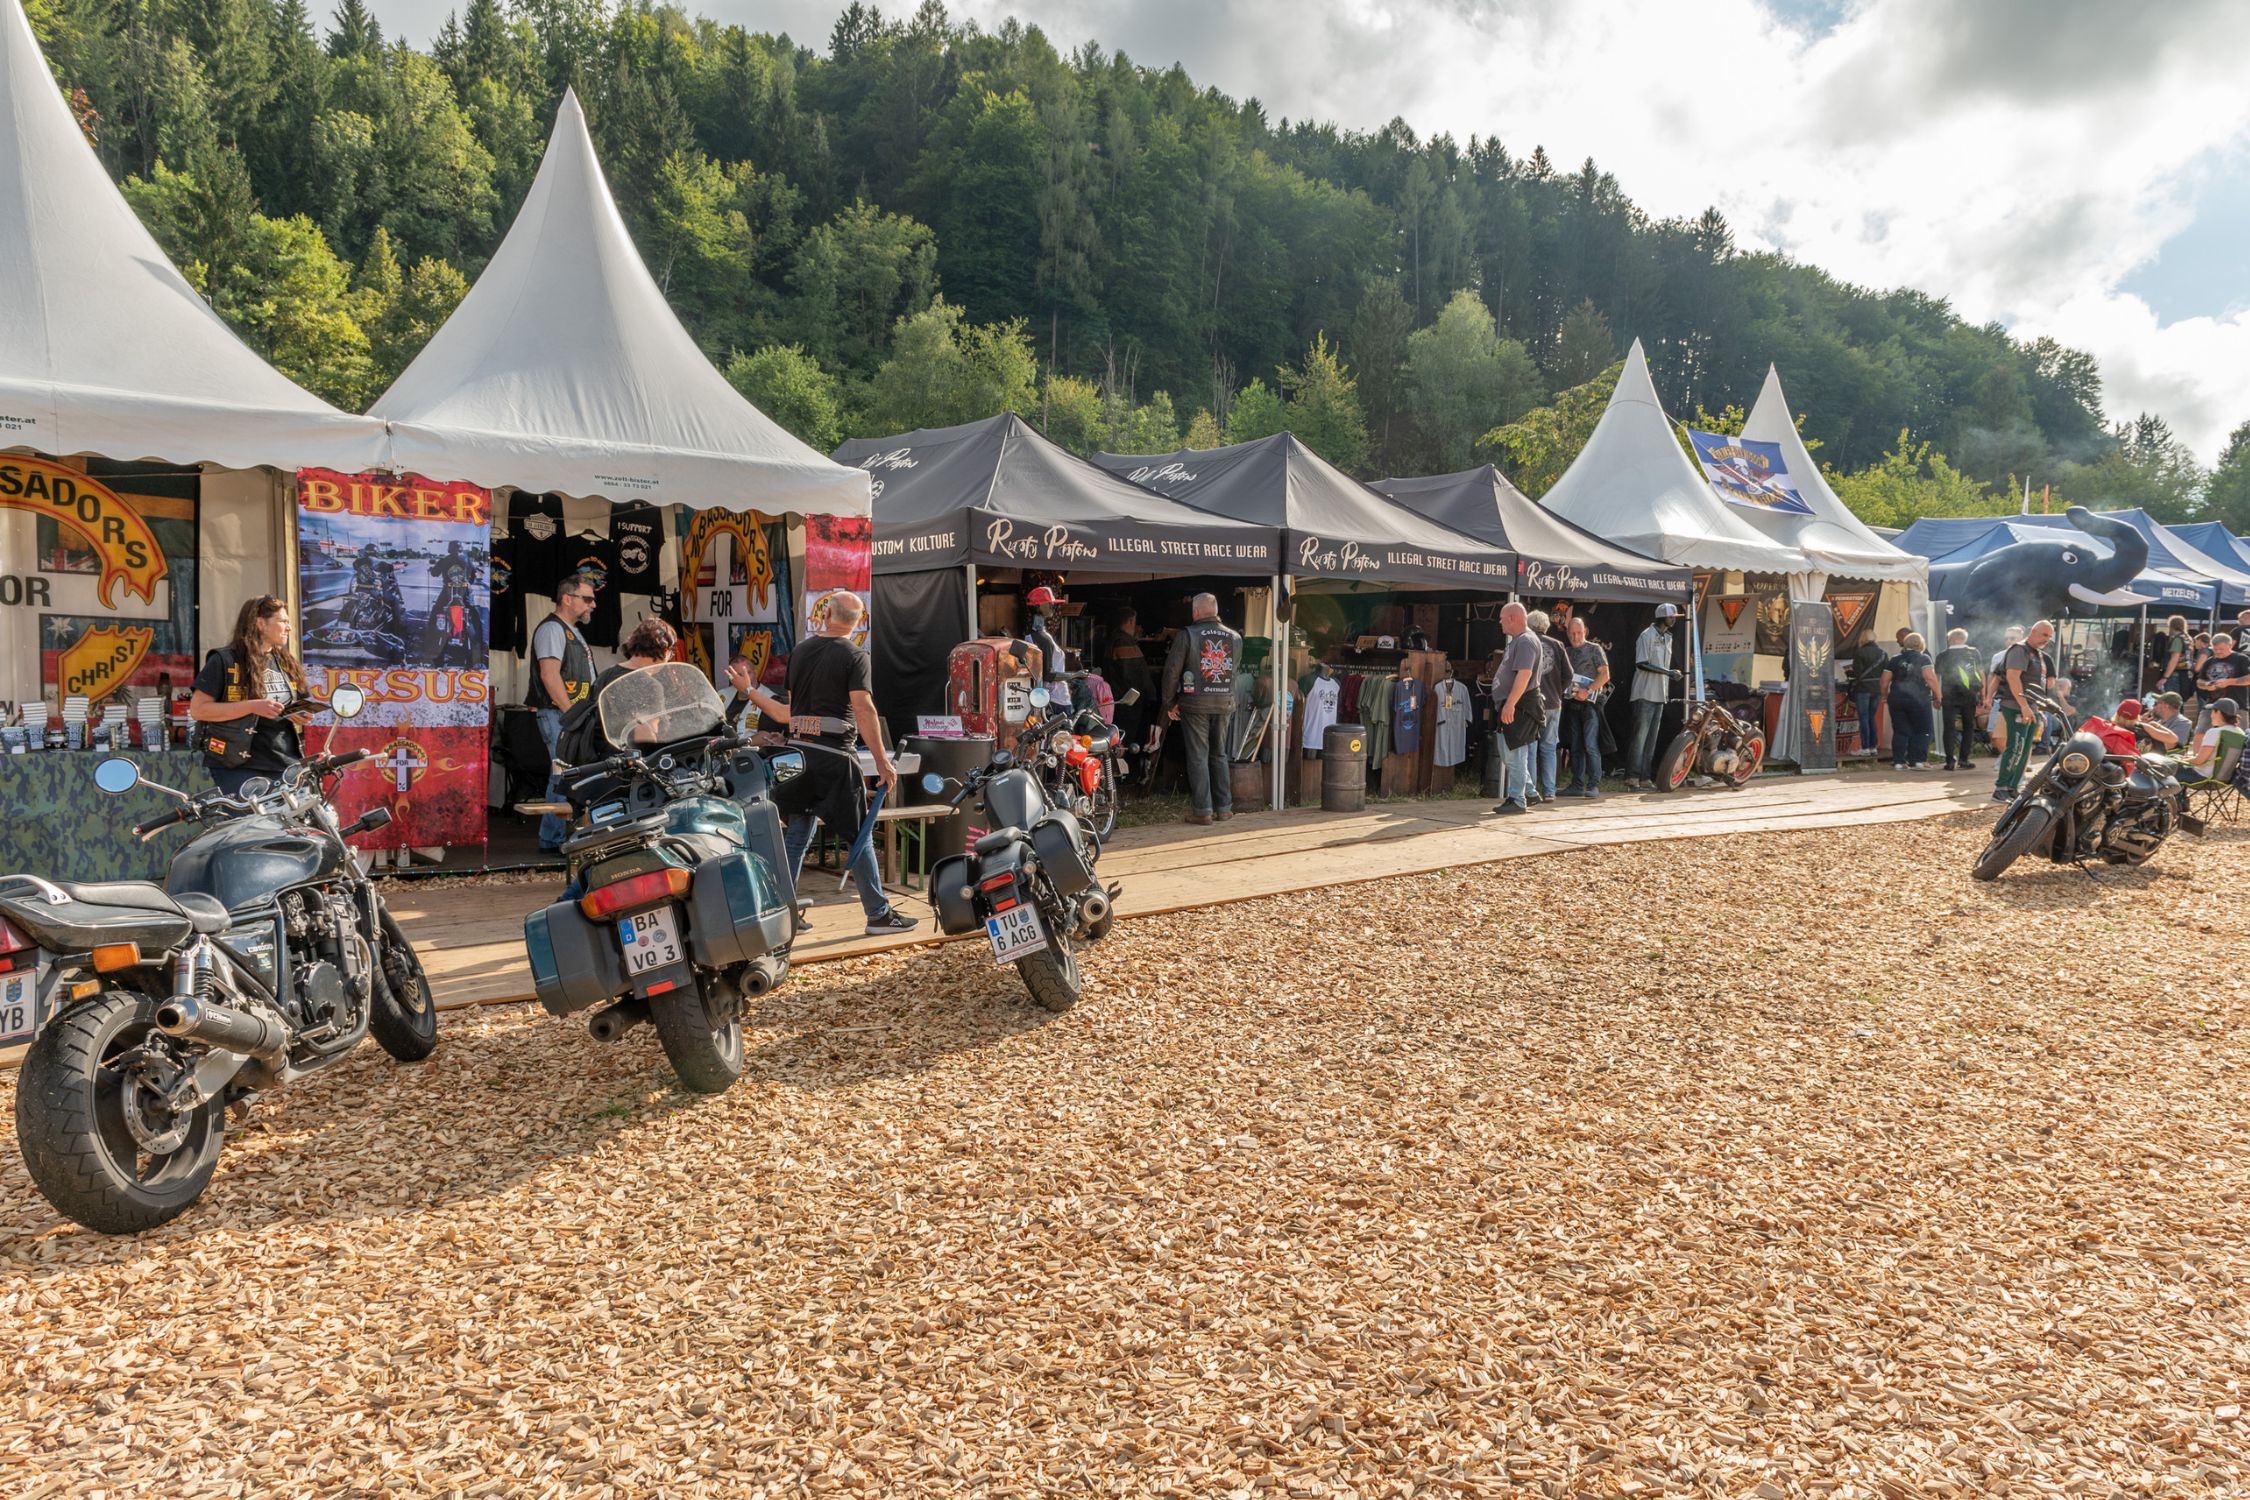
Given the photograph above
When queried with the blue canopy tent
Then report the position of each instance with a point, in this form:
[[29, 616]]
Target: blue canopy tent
[[2214, 540]]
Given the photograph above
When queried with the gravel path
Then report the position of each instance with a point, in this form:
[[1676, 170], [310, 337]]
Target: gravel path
[[1782, 1165]]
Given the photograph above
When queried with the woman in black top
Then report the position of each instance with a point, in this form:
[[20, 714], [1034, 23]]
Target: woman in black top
[[1910, 683], [252, 676]]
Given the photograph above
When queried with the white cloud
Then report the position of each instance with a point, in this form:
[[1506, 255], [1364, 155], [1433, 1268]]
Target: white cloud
[[2018, 157]]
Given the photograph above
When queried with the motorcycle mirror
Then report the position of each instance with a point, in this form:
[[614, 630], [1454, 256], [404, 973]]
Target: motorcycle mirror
[[786, 763], [117, 774], [932, 782], [1040, 697], [1132, 696], [347, 701]]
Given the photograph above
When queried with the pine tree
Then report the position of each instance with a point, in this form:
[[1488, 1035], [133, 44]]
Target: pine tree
[[357, 34]]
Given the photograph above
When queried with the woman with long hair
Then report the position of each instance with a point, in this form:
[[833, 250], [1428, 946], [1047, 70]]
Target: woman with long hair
[[253, 676], [2176, 651]]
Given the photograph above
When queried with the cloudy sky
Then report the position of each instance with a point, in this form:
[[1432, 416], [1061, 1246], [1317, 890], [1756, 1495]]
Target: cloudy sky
[[2079, 168]]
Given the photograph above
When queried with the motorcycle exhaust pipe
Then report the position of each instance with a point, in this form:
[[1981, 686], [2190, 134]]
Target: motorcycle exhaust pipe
[[613, 1021], [762, 975], [1092, 909], [222, 1026]]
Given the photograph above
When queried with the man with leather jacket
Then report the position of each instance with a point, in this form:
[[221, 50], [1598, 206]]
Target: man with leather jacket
[[1198, 685]]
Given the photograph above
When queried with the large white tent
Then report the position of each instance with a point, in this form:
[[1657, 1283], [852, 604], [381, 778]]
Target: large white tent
[[565, 370], [1832, 537], [104, 347], [1635, 486]]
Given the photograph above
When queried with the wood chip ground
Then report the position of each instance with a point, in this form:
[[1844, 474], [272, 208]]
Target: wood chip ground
[[1782, 1165]]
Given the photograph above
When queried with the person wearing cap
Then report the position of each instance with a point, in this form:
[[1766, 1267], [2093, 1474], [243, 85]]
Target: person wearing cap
[[2168, 728], [1051, 663], [2224, 735], [1653, 676], [2116, 731]]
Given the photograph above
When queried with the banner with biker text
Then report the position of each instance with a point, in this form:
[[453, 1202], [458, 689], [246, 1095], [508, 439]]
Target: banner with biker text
[[393, 574]]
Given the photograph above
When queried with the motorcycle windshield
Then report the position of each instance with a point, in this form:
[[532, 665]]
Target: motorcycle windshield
[[659, 705]]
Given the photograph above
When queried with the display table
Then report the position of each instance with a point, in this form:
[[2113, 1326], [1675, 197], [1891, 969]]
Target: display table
[[58, 824]]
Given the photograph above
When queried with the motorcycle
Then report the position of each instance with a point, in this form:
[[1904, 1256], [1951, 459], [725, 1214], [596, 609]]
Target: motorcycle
[[265, 957], [2088, 802], [1030, 881], [680, 905], [1085, 777], [1712, 742]]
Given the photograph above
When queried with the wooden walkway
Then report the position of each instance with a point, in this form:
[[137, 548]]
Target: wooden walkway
[[471, 937]]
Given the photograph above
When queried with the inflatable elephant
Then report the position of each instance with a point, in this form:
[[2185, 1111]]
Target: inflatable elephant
[[2050, 576]]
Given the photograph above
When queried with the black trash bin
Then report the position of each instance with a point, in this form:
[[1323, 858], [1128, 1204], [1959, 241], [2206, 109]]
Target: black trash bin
[[954, 760], [1343, 768]]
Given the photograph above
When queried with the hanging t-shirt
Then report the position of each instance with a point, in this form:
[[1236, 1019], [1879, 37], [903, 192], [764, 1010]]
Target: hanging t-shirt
[[1347, 702], [638, 531], [504, 609], [535, 531], [1321, 694], [1406, 716], [596, 557], [1450, 722]]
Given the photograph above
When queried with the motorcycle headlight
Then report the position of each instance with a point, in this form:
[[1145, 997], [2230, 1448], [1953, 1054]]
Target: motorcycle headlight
[[1061, 742], [2076, 763]]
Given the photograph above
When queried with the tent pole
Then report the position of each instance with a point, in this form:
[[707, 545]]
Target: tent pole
[[1280, 719], [2140, 657], [969, 577]]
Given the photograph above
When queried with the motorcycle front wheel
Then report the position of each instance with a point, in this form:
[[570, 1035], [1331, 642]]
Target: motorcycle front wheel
[[91, 1118], [1052, 976], [1747, 760], [2021, 829], [707, 1056], [1677, 763], [404, 1020]]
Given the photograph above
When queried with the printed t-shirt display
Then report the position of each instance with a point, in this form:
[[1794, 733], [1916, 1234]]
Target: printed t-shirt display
[[535, 542], [638, 532], [1320, 695], [596, 556], [1450, 716], [1406, 716]]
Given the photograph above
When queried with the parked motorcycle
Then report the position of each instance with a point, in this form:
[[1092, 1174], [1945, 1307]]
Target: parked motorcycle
[[265, 957], [1712, 742], [1085, 776], [1030, 880], [680, 905], [2088, 802]]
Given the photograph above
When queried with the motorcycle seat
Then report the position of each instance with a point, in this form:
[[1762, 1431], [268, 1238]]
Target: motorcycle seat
[[995, 841], [203, 913]]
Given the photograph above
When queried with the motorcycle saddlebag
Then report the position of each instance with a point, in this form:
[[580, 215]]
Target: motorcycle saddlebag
[[575, 962], [956, 913], [1059, 843], [735, 911]]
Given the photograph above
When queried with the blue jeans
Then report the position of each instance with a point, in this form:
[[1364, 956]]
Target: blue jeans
[[1549, 738], [1585, 725], [552, 830], [1516, 786], [797, 837], [1640, 753], [230, 781], [1203, 738], [1870, 727]]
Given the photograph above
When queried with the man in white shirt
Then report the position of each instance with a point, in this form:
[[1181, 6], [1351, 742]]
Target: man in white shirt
[[1653, 676]]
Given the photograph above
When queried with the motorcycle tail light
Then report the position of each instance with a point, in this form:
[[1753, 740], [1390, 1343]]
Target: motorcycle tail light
[[11, 937], [994, 882], [635, 891]]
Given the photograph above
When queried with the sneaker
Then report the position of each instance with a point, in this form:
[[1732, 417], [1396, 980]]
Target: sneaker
[[1199, 820], [2002, 794], [1948, 765], [1592, 793], [1222, 816], [1511, 809], [890, 923]]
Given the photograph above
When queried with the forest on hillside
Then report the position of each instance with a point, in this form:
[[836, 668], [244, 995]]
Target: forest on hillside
[[919, 222]]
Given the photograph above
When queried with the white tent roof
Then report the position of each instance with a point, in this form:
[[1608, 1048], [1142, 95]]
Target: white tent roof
[[104, 347], [1832, 536], [564, 369], [1635, 486]]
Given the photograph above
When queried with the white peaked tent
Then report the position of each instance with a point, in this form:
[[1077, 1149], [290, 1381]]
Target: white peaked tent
[[565, 370], [1832, 537], [104, 347], [1635, 486]]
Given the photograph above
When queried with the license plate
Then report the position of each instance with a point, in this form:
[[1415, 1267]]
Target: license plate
[[1014, 933], [651, 940], [19, 1007]]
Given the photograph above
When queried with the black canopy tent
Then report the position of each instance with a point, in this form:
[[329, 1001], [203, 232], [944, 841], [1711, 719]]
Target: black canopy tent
[[1554, 558], [998, 494], [1334, 530]]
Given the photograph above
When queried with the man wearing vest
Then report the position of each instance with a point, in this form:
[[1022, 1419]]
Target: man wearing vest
[[562, 671], [1199, 693]]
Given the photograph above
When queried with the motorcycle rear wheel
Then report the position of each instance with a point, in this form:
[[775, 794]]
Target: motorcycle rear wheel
[[1104, 819], [1676, 764], [1052, 976], [404, 1024], [2020, 830], [708, 1058], [73, 1098]]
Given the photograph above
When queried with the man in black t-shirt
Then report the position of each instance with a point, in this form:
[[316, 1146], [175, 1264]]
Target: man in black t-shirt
[[2225, 673], [832, 705]]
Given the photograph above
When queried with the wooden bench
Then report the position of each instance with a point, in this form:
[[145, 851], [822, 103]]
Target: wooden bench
[[909, 823]]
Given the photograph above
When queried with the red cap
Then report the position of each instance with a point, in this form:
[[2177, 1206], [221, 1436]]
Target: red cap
[[2129, 709], [1041, 595]]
